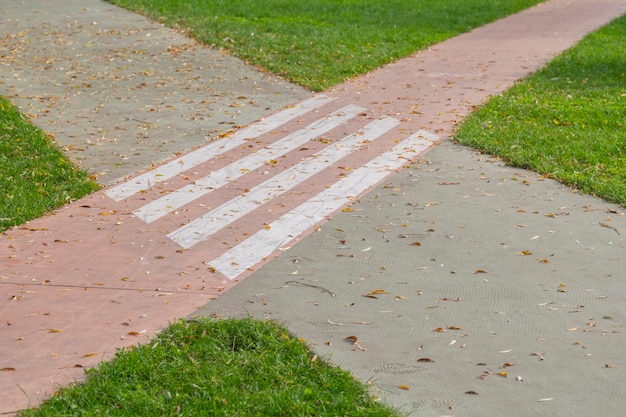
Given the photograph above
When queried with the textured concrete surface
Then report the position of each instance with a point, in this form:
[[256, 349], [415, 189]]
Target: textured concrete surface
[[120, 92], [449, 274], [452, 272]]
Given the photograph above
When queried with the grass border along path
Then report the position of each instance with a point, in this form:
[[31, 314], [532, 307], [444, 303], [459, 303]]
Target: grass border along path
[[568, 120], [35, 175], [216, 368], [321, 43]]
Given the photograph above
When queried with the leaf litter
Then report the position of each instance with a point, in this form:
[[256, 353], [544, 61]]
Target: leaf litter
[[355, 342]]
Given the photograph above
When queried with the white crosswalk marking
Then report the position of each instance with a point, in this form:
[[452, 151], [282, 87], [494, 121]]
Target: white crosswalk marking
[[160, 207], [262, 244], [214, 149], [303, 176], [210, 223]]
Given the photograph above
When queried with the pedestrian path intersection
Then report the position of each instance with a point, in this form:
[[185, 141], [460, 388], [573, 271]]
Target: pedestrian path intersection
[[272, 181]]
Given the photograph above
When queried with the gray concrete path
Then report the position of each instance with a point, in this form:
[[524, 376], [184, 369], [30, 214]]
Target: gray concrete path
[[473, 289], [121, 93], [451, 273]]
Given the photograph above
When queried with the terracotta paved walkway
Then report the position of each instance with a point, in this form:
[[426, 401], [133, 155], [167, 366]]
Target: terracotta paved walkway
[[109, 270]]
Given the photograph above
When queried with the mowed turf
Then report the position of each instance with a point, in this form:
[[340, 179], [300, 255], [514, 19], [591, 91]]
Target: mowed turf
[[567, 121], [35, 175], [217, 368], [320, 43]]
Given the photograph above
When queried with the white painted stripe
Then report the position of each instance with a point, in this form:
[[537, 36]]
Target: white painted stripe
[[192, 159], [185, 195], [283, 230], [208, 224]]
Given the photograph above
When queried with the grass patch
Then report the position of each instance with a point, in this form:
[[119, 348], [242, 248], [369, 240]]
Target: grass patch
[[35, 175], [567, 121], [216, 368], [318, 44]]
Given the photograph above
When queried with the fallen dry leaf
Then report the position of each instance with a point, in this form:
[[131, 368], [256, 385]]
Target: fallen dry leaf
[[425, 360], [355, 342], [7, 369], [455, 328], [374, 293], [449, 299], [405, 387]]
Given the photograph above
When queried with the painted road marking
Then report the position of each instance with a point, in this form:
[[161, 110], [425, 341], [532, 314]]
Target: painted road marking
[[280, 232], [170, 202], [208, 224], [192, 159]]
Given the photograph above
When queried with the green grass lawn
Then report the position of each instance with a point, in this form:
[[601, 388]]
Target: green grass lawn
[[216, 368], [567, 121], [320, 43], [35, 175]]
